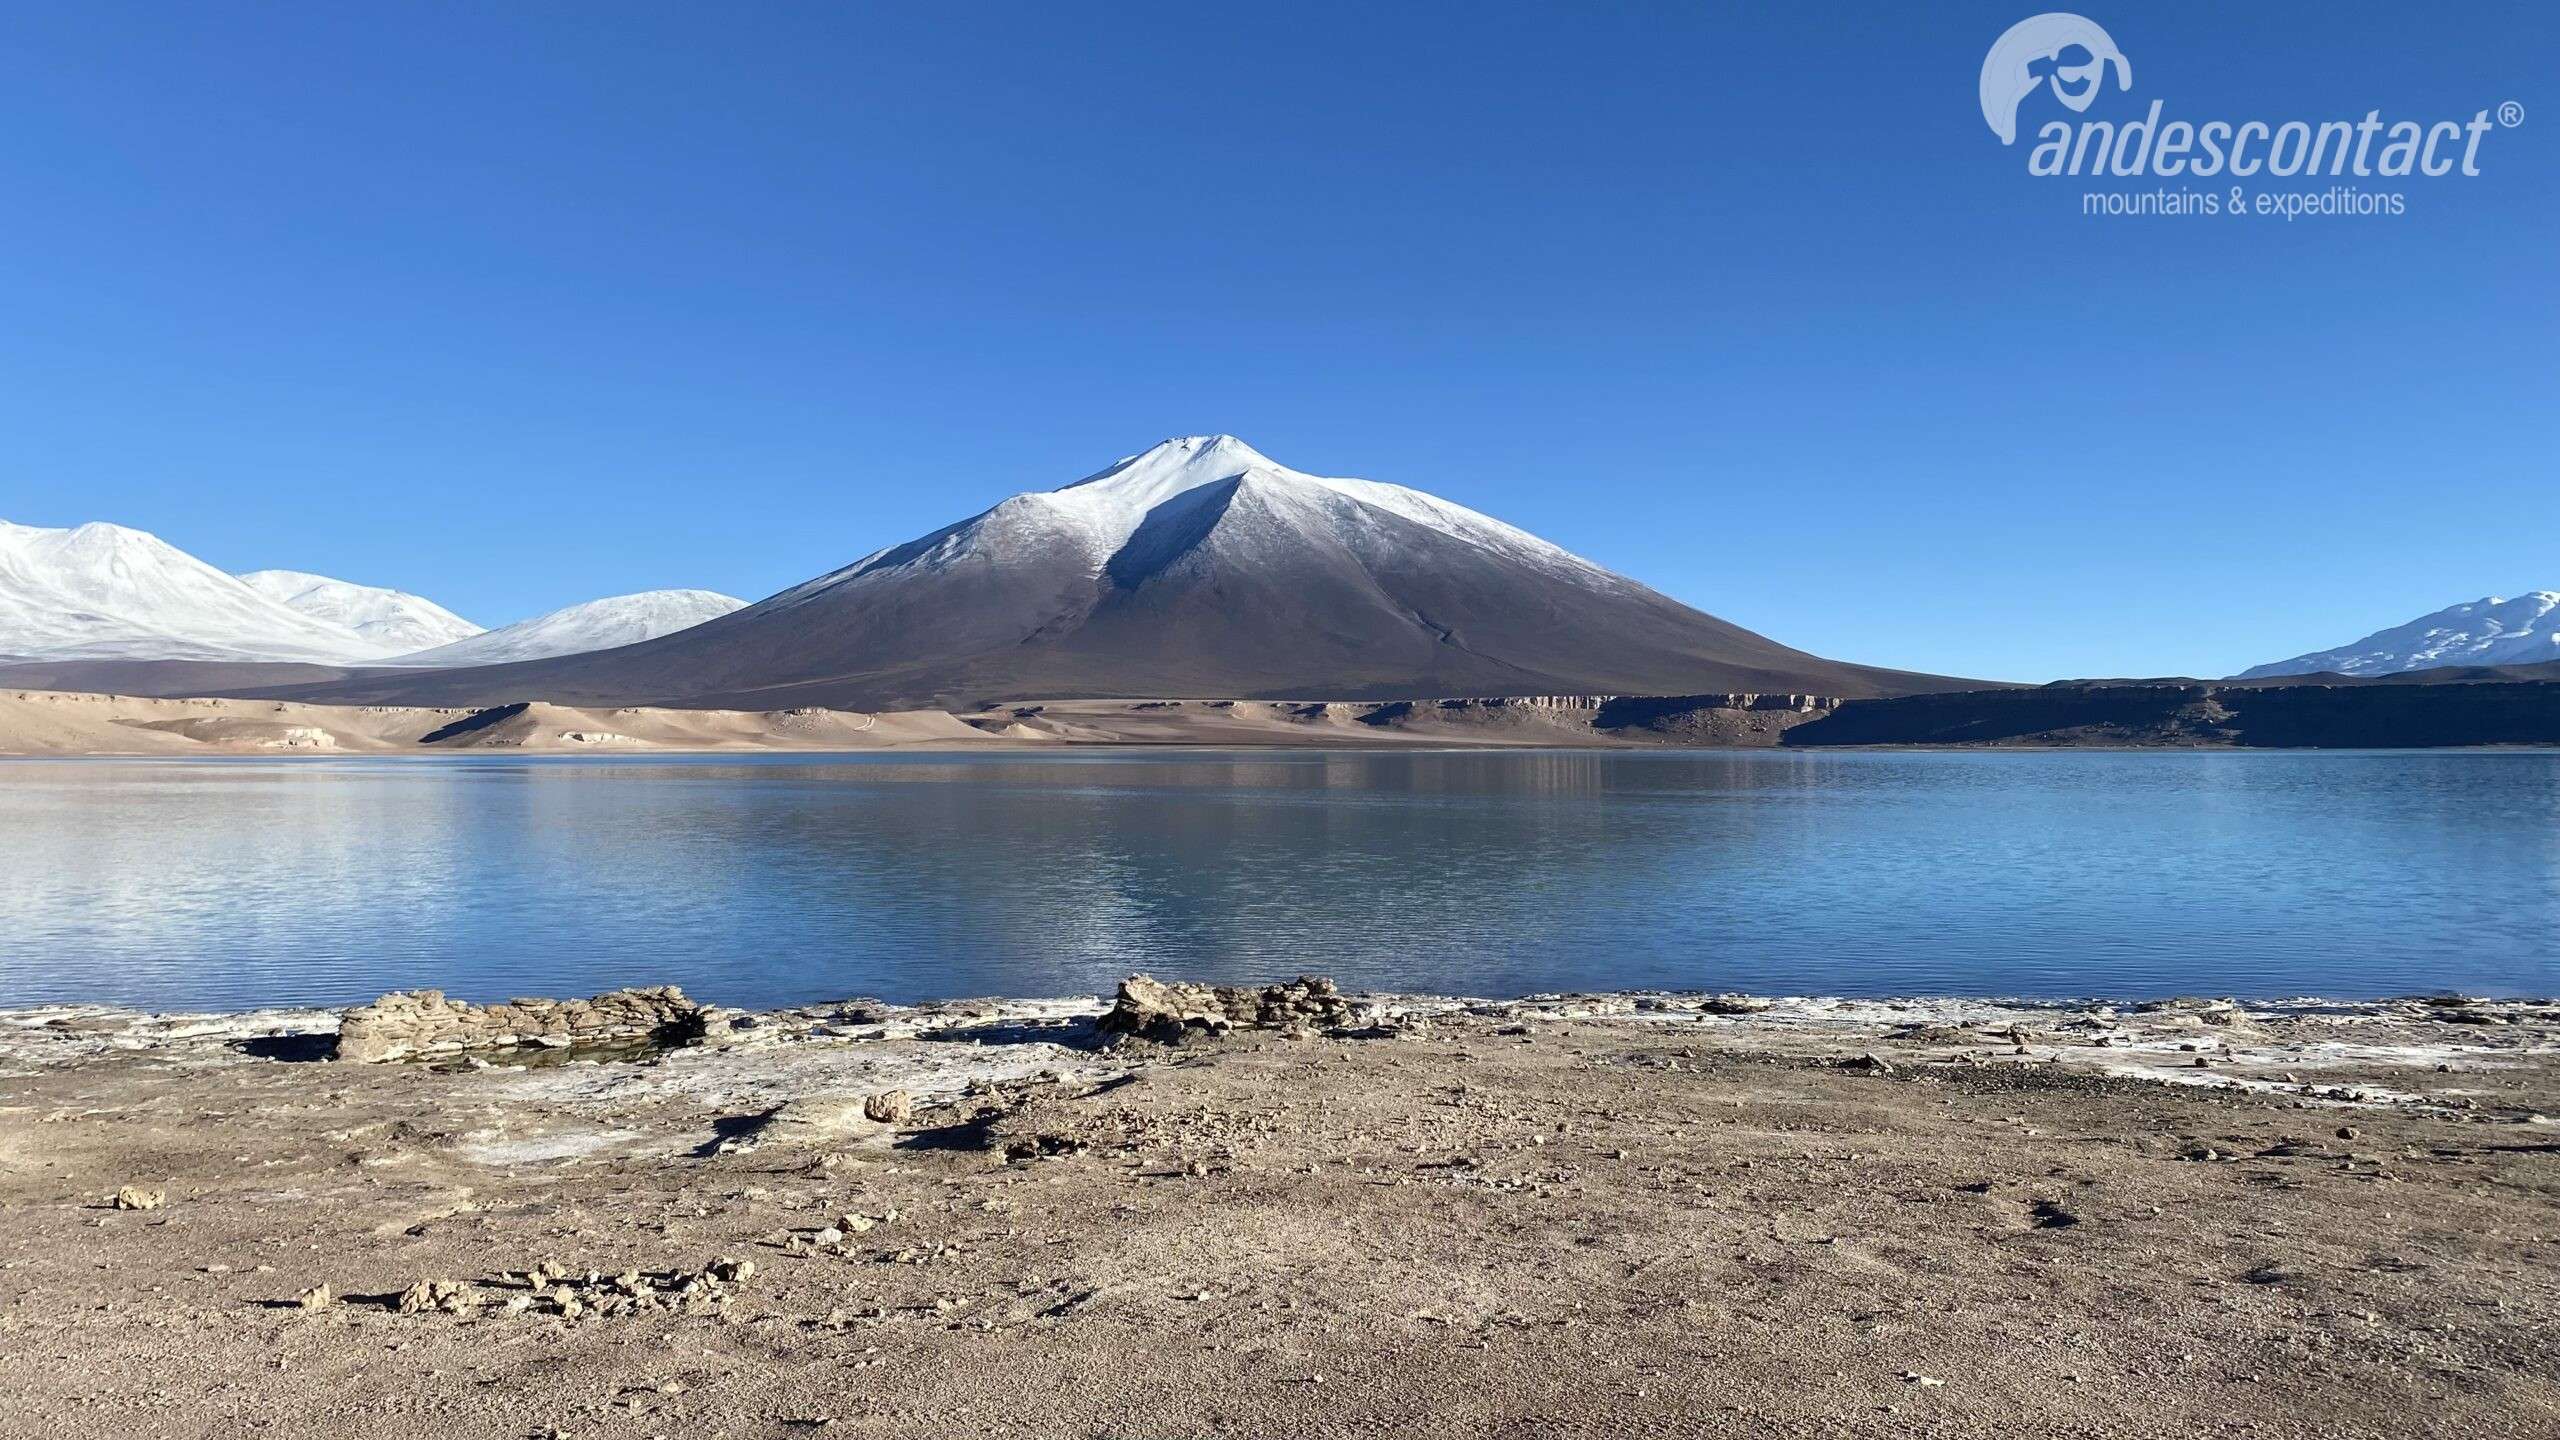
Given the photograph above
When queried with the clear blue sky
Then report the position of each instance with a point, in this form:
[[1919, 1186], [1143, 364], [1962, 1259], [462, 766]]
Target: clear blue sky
[[517, 305]]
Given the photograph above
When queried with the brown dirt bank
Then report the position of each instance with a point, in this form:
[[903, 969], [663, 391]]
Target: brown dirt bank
[[1579, 1216]]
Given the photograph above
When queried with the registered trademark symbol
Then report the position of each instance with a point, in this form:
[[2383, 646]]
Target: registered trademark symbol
[[2511, 114]]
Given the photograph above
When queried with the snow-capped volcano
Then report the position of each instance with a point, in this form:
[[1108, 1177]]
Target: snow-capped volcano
[[593, 625], [2492, 631], [1102, 516], [394, 621], [102, 591], [1202, 568]]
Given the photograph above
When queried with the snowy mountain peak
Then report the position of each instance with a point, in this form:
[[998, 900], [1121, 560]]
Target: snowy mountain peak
[[394, 621], [1211, 447], [103, 532], [1204, 457], [97, 540], [1091, 521], [606, 624], [102, 591], [2493, 630], [1140, 482], [110, 592], [1117, 501]]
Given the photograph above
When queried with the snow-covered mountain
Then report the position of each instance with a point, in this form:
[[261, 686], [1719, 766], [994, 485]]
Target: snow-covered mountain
[[2492, 631], [1100, 518], [394, 621], [105, 592], [595, 625], [1201, 568], [102, 591]]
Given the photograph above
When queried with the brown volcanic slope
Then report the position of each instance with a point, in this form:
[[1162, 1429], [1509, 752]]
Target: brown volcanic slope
[[1197, 569]]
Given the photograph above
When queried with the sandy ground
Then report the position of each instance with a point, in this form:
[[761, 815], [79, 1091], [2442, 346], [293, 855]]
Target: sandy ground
[[1576, 1216], [43, 722]]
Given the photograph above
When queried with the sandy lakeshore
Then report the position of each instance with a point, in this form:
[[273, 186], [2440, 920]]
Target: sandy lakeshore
[[1621, 1215], [48, 722], [63, 723]]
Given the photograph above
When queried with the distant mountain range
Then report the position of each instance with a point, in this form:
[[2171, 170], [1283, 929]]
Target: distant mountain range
[[394, 620], [1198, 568], [594, 625], [106, 593], [2492, 631]]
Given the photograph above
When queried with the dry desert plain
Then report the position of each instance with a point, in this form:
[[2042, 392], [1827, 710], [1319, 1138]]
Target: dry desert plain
[[1561, 1216]]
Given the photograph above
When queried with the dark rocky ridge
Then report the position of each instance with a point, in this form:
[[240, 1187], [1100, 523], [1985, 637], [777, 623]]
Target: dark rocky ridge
[[2361, 716]]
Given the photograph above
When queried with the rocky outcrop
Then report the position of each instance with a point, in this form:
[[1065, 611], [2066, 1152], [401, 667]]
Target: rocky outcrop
[[424, 1022], [821, 1120], [1160, 1010], [1740, 719]]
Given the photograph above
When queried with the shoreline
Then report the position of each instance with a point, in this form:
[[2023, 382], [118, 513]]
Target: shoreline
[[1622, 1215], [1207, 747], [2501, 715], [2215, 1043], [1097, 1001], [2120, 1037]]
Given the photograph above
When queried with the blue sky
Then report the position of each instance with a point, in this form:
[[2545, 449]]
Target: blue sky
[[518, 305]]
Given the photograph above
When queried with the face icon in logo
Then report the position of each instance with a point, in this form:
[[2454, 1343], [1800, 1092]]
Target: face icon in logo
[[2069, 52]]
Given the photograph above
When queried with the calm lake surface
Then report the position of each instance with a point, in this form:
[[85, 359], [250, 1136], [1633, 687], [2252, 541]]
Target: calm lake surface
[[772, 880]]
